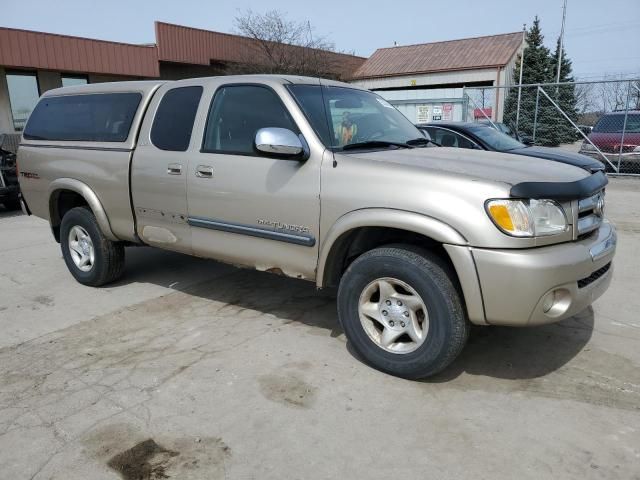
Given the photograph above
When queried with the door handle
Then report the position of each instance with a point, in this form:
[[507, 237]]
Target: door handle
[[204, 171], [174, 169]]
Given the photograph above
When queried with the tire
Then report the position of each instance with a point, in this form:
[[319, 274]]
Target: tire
[[107, 262], [425, 275]]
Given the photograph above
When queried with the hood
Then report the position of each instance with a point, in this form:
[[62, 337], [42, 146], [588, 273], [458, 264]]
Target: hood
[[491, 166], [559, 155]]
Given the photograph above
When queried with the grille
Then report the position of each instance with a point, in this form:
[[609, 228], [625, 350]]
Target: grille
[[590, 213], [594, 276]]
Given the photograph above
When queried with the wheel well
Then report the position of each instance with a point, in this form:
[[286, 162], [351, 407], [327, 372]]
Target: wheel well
[[354, 243], [61, 202]]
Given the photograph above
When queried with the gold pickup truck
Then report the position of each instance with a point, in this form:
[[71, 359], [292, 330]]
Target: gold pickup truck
[[325, 182]]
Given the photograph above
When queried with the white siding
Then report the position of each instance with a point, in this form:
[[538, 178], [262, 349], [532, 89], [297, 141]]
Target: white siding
[[441, 78], [408, 102]]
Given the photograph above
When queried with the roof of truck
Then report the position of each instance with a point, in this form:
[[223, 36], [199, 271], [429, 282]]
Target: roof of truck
[[142, 86], [149, 85]]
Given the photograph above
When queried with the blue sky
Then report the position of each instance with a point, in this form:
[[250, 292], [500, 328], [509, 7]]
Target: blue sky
[[602, 36]]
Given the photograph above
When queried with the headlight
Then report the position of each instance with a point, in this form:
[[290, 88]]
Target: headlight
[[527, 218], [587, 147], [637, 149]]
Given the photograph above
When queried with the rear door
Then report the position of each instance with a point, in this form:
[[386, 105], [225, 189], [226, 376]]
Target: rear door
[[246, 207], [159, 167]]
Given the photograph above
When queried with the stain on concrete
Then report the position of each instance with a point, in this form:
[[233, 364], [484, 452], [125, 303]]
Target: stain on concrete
[[144, 461], [156, 458], [44, 300], [301, 365], [289, 390]]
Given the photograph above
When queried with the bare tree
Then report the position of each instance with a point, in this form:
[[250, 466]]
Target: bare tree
[[585, 98], [276, 44], [613, 95], [634, 103]]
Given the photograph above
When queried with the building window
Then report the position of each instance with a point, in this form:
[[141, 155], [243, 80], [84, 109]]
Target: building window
[[71, 80], [23, 96]]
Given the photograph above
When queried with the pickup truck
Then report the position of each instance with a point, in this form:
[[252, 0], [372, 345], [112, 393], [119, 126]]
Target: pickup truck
[[326, 182]]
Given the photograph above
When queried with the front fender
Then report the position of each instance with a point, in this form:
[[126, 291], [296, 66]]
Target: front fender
[[89, 195], [390, 218], [455, 244]]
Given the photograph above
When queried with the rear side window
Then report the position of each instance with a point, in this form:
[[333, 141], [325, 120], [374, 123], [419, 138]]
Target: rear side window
[[615, 123], [100, 117], [174, 119]]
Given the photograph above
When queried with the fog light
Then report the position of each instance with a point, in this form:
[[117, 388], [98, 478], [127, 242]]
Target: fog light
[[556, 302], [549, 300]]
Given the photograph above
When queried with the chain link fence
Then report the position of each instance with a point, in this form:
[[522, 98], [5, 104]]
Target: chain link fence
[[597, 119]]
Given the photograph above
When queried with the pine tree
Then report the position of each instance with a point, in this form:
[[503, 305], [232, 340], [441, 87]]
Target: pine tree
[[564, 96], [537, 69]]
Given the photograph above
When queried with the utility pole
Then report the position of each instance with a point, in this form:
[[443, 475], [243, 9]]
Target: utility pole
[[524, 46], [564, 16]]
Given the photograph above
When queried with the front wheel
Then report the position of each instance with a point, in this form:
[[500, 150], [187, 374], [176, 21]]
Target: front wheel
[[91, 257], [401, 311]]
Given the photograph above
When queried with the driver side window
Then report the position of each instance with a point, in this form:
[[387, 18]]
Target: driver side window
[[237, 113]]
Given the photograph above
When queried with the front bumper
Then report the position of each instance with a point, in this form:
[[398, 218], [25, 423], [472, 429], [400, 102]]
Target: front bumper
[[629, 160], [519, 285]]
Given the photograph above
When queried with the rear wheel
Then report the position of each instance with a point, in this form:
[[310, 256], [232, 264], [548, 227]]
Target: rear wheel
[[91, 258], [402, 312]]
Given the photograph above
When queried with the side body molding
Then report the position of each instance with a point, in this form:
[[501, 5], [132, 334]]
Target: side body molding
[[385, 217], [88, 194]]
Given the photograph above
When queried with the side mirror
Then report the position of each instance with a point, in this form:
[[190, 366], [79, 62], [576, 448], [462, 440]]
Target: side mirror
[[527, 140], [278, 141]]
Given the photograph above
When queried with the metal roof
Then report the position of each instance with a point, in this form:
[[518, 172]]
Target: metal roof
[[175, 43], [465, 54], [49, 51], [180, 44]]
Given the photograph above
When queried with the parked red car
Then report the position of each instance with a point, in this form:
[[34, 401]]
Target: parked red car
[[607, 136]]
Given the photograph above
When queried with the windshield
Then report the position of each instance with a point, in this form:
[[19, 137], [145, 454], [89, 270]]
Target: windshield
[[344, 116], [496, 140], [615, 123]]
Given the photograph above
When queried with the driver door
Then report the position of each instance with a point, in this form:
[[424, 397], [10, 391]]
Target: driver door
[[246, 207]]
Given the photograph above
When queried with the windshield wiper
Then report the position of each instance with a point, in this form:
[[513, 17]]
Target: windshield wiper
[[375, 144], [422, 141]]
